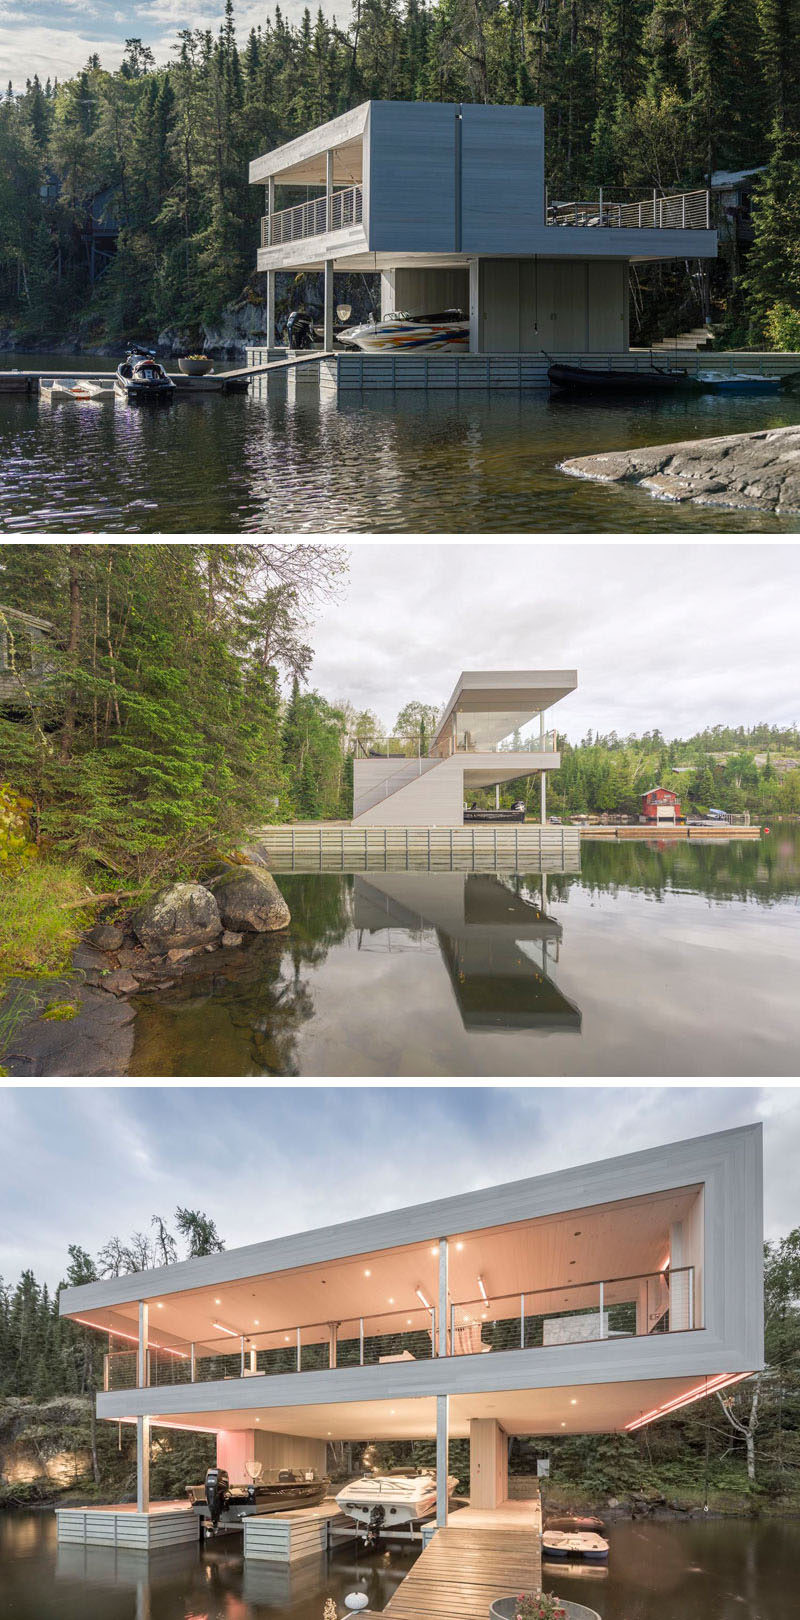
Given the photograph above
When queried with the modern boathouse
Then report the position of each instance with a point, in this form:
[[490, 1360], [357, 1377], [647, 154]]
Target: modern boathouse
[[470, 750], [447, 201], [597, 1299]]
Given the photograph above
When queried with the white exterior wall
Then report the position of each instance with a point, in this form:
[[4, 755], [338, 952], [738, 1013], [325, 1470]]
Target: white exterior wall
[[238, 1447], [435, 797]]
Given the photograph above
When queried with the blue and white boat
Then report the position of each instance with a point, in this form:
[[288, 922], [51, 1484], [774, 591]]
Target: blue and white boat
[[737, 382]]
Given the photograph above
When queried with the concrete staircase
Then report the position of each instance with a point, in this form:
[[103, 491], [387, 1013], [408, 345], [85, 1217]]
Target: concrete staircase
[[699, 338]]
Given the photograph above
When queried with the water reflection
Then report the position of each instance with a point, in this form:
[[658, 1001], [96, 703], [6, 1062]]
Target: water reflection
[[496, 940], [273, 461]]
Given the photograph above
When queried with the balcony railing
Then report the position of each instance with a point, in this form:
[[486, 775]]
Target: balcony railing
[[683, 211], [313, 218], [578, 1313]]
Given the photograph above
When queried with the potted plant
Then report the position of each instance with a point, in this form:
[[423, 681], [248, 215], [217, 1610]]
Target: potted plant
[[539, 1606], [195, 365]]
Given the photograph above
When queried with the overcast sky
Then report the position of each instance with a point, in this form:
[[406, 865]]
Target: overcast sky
[[54, 38], [664, 635], [78, 1164]]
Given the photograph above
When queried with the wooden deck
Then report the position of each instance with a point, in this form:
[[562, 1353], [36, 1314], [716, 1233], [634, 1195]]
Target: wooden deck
[[477, 1558]]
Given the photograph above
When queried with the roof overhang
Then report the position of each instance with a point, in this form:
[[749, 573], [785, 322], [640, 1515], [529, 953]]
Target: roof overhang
[[303, 162], [511, 697]]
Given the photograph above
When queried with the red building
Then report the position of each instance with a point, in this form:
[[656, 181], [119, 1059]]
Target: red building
[[661, 806]]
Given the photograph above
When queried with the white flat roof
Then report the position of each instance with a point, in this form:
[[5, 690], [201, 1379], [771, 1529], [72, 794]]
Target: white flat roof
[[512, 696]]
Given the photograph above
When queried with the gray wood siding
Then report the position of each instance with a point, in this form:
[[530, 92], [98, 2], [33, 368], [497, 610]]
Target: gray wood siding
[[560, 306], [141, 1531], [412, 175], [502, 178]]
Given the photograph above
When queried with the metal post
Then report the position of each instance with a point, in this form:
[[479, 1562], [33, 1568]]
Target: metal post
[[106, 1385], [299, 1352], [333, 1343], [452, 1330], [143, 1465], [601, 205], [144, 1324], [442, 1456], [691, 1295], [329, 191], [602, 1313], [270, 212], [361, 1341], [443, 1295], [522, 1321], [241, 1357], [192, 1365], [327, 341]]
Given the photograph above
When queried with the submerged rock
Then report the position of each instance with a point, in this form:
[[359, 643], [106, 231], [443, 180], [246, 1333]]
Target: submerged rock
[[182, 914], [248, 897], [105, 936], [757, 472], [97, 1041]]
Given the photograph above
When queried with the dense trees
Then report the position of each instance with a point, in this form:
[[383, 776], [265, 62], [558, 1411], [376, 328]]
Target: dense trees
[[159, 728], [637, 94]]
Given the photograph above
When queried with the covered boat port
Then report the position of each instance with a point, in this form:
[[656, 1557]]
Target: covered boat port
[[447, 203], [592, 1299]]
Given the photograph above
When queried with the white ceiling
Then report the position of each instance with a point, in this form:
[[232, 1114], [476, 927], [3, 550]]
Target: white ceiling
[[585, 1408]]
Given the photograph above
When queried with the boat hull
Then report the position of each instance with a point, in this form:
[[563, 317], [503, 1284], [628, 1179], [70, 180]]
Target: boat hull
[[738, 383], [408, 337], [562, 1546], [589, 380], [389, 1504]]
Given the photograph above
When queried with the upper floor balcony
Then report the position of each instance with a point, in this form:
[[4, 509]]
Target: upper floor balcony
[[657, 1302]]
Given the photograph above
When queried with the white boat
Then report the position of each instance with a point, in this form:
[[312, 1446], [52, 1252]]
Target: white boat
[[572, 1544], [80, 388], [401, 1499], [738, 382], [408, 334]]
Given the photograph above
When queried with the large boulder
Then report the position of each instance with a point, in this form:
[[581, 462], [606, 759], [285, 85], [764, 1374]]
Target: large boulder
[[183, 914], [249, 897]]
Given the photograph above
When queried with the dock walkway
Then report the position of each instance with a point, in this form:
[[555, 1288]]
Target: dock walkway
[[470, 1563]]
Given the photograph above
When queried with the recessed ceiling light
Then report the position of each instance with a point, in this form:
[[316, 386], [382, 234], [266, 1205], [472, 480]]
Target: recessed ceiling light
[[390, 1301], [367, 1273], [435, 1249], [466, 1318], [573, 1402], [286, 1337], [258, 1420], [255, 1321], [217, 1301], [459, 1245], [159, 1306], [563, 1425], [408, 1319]]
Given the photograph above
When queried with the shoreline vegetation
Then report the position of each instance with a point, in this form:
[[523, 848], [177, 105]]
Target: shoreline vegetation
[[126, 210], [738, 1453]]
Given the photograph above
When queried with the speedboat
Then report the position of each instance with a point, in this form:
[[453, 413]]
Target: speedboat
[[402, 334], [573, 1544], [737, 382], [594, 380], [399, 1500], [223, 1506], [141, 377]]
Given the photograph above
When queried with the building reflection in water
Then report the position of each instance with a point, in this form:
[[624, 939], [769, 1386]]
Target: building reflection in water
[[494, 935]]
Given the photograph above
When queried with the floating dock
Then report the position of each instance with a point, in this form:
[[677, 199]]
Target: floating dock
[[166, 1524], [340, 847], [286, 1538], [714, 832]]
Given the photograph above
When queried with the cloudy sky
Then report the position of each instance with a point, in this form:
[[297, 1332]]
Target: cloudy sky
[[78, 1164], [663, 635], [54, 37]]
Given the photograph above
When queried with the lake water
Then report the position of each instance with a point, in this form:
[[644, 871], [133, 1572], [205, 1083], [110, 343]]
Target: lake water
[[437, 462], [715, 1570], [670, 958]]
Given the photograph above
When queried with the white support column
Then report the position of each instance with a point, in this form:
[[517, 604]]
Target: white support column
[[329, 191], [270, 207], [327, 342], [442, 1457], [497, 795], [143, 1465], [444, 1293], [334, 1343], [543, 783], [474, 306], [142, 1379], [270, 309]]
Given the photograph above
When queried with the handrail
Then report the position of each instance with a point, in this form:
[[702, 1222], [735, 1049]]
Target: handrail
[[314, 218], [682, 210]]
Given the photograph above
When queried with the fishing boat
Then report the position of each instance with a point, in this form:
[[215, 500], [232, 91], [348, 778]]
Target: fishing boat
[[140, 378], [399, 1500], [402, 334], [574, 1544], [737, 382], [223, 1506], [82, 389], [593, 380]]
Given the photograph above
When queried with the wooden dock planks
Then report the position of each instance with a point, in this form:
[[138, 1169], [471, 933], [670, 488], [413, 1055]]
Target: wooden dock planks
[[464, 1569]]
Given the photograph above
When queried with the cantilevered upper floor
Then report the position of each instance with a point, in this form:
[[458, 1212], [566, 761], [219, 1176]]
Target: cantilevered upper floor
[[398, 183], [625, 1282]]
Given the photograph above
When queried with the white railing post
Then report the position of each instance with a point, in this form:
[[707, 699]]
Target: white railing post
[[106, 1385], [603, 1334], [683, 212], [241, 1357], [192, 1364], [299, 1352], [691, 1295], [270, 207], [361, 1341], [522, 1321]]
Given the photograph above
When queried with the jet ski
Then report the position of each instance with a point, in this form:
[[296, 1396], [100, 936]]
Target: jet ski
[[140, 377]]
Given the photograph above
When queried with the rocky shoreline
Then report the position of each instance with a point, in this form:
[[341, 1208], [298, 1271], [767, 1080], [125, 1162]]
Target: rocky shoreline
[[753, 472], [82, 1023]]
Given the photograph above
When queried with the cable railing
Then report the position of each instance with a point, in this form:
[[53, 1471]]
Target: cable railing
[[684, 210], [313, 218], [618, 1308], [576, 1313]]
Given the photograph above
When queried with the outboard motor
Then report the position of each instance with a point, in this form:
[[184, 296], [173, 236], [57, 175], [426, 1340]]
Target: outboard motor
[[217, 1491], [376, 1518], [299, 329]]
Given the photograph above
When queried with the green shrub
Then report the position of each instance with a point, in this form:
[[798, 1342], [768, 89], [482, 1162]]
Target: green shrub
[[782, 326]]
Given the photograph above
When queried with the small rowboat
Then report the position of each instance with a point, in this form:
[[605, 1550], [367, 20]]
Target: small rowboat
[[565, 1544], [737, 382], [592, 380]]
